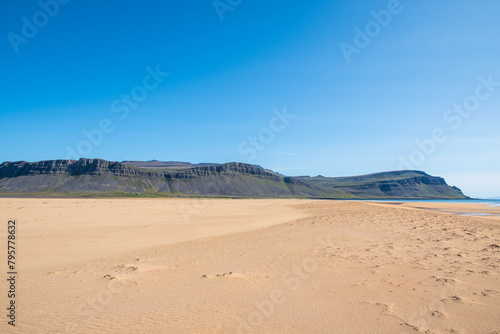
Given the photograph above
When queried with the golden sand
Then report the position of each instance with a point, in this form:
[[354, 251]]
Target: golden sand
[[251, 266]]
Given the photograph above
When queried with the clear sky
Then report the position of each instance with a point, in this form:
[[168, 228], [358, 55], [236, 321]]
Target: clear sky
[[301, 87]]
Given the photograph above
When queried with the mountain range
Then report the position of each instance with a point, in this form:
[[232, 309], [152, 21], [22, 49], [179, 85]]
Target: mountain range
[[101, 178]]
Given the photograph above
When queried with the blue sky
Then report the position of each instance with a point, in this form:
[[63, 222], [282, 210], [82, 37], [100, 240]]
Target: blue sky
[[351, 112]]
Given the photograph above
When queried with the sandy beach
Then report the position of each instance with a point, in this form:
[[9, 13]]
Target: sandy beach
[[251, 266]]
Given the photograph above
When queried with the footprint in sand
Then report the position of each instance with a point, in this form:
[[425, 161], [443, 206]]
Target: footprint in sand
[[437, 314], [453, 299], [126, 268], [227, 275]]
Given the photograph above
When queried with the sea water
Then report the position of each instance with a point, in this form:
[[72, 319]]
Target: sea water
[[489, 202], [486, 202]]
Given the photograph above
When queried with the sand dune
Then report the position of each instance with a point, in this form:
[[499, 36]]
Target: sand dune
[[253, 266]]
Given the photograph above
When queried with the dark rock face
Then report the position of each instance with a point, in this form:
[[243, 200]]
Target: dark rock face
[[429, 180], [18, 168], [294, 181], [230, 179], [59, 167], [100, 166], [165, 164], [424, 186], [404, 184]]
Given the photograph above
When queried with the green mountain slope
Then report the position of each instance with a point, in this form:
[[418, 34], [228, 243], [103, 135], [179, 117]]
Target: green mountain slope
[[97, 177], [397, 184]]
